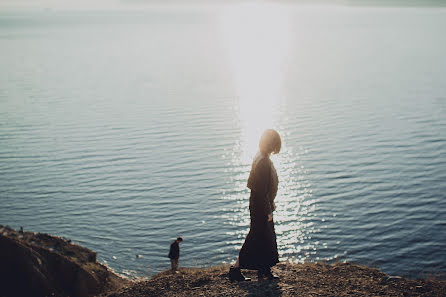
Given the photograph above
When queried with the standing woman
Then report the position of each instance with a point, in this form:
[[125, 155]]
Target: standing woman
[[259, 251]]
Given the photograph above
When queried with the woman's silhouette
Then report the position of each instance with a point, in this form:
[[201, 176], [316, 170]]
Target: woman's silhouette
[[259, 251]]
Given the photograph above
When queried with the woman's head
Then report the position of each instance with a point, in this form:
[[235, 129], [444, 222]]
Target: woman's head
[[270, 142]]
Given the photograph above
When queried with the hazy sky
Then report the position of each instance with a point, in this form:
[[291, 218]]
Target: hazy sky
[[94, 4], [131, 4], [120, 4]]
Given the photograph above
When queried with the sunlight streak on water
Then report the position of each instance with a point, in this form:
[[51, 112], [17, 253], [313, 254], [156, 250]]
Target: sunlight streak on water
[[256, 38]]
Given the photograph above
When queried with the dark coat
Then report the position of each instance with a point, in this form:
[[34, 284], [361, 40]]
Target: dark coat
[[260, 247], [174, 252]]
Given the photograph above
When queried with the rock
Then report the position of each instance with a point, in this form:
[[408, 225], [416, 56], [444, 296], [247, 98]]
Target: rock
[[44, 265], [392, 278]]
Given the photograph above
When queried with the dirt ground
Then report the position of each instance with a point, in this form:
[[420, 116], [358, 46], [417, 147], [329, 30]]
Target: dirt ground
[[340, 279]]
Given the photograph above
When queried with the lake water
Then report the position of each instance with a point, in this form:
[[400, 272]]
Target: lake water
[[123, 130]]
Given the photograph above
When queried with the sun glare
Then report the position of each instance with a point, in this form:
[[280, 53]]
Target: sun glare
[[256, 38]]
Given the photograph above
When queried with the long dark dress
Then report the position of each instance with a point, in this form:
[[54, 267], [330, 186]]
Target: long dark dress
[[260, 247]]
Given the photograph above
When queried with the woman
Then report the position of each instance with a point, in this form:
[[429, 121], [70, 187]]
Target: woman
[[259, 251]]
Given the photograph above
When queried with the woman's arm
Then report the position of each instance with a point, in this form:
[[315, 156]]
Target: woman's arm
[[262, 181]]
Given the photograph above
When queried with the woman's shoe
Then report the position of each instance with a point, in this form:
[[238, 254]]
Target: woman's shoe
[[236, 275]]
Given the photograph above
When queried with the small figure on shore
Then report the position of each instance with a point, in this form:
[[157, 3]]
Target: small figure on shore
[[259, 251], [174, 253]]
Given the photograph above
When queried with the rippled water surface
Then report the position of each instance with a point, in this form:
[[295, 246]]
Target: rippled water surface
[[124, 130]]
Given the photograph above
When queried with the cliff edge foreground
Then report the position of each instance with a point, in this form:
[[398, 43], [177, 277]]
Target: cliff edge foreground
[[309, 279], [36, 264]]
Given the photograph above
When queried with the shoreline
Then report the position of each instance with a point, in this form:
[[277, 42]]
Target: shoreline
[[44, 265]]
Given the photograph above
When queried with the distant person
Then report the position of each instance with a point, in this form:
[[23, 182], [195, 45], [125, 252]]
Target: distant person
[[259, 251], [174, 253]]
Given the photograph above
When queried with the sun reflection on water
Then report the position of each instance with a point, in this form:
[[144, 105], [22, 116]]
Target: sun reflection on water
[[256, 39]]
